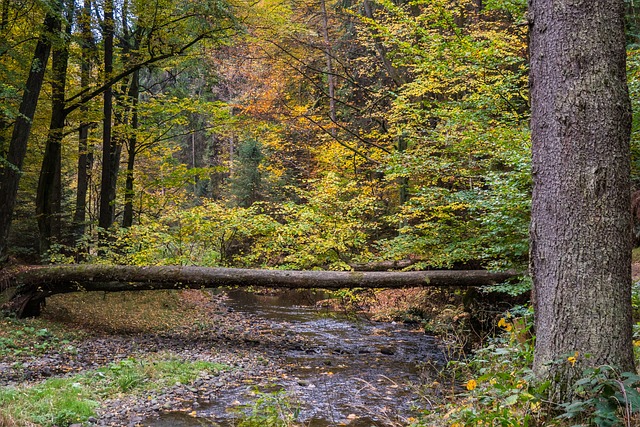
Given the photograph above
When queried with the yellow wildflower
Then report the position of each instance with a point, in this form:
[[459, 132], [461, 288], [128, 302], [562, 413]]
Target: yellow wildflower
[[493, 381], [574, 358], [636, 343], [472, 384], [507, 326]]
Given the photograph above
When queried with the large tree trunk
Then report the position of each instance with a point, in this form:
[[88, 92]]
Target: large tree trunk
[[11, 167], [49, 192], [35, 284], [132, 147], [85, 153], [4, 120], [107, 198], [581, 223]]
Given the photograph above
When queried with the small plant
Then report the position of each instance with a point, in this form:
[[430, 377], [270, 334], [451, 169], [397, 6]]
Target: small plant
[[514, 289], [495, 387], [58, 401], [275, 409], [26, 338], [127, 374], [605, 397], [65, 401]]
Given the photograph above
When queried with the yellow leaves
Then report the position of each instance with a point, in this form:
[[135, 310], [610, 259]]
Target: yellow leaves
[[472, 384], [573, 359], [504, 324], [636, 343]]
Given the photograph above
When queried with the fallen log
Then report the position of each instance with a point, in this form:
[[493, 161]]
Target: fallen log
[[34, 285], [383, 265]]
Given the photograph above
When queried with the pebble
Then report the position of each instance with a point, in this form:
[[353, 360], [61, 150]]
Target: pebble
[[231, 342], [388, 351]]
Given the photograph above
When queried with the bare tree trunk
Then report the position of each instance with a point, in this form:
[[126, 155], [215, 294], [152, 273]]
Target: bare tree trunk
[[85, 154], [134, 94], [4, 120], [11, 167], [49, 192], [581, 222], [107, 198], [36, 284]]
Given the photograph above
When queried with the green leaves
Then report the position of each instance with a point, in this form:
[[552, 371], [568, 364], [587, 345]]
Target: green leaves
[[463, 113], [604, 397]]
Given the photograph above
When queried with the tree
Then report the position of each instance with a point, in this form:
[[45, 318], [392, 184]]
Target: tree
[[246, 182], [11, 170], [85, 153], [49, 193], [109, 148], [580, 226]]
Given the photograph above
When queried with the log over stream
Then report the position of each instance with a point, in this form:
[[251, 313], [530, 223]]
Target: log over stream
[[34, 285]]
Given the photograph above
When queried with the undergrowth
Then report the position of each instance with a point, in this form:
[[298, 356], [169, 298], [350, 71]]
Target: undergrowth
[[496, 387], [34, 337], [63, 401]]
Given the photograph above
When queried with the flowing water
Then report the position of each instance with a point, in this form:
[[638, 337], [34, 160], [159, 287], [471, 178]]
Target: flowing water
[[343, 371]]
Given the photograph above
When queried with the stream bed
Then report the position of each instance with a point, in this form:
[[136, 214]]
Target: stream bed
[[337, 371]]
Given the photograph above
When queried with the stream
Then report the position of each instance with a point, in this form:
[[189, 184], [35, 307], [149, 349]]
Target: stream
[[340, 371]]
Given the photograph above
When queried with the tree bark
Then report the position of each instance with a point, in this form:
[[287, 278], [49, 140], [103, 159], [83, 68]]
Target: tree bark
[[85, 154], [134, 94], [581, 223], [107, 198], [49, 191], [11, 167], [36, 284]]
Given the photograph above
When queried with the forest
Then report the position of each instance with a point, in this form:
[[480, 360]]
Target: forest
[[337, 136], [297, 136]]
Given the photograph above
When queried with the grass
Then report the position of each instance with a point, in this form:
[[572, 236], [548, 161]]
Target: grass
[[33, 337], [67, 318], [275, 409], [63, 401]]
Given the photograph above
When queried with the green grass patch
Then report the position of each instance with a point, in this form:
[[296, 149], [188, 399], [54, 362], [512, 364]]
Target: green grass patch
[[63, 401], [33, 337], [275, 409]]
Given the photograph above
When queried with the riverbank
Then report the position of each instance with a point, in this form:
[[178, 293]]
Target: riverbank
[[258, 358], [85, 332]]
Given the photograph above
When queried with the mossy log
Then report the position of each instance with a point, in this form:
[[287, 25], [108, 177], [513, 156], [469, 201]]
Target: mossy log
[[34, 285]]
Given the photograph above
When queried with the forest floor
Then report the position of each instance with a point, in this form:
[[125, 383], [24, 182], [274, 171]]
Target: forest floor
[[90, 334], [80, 333]]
